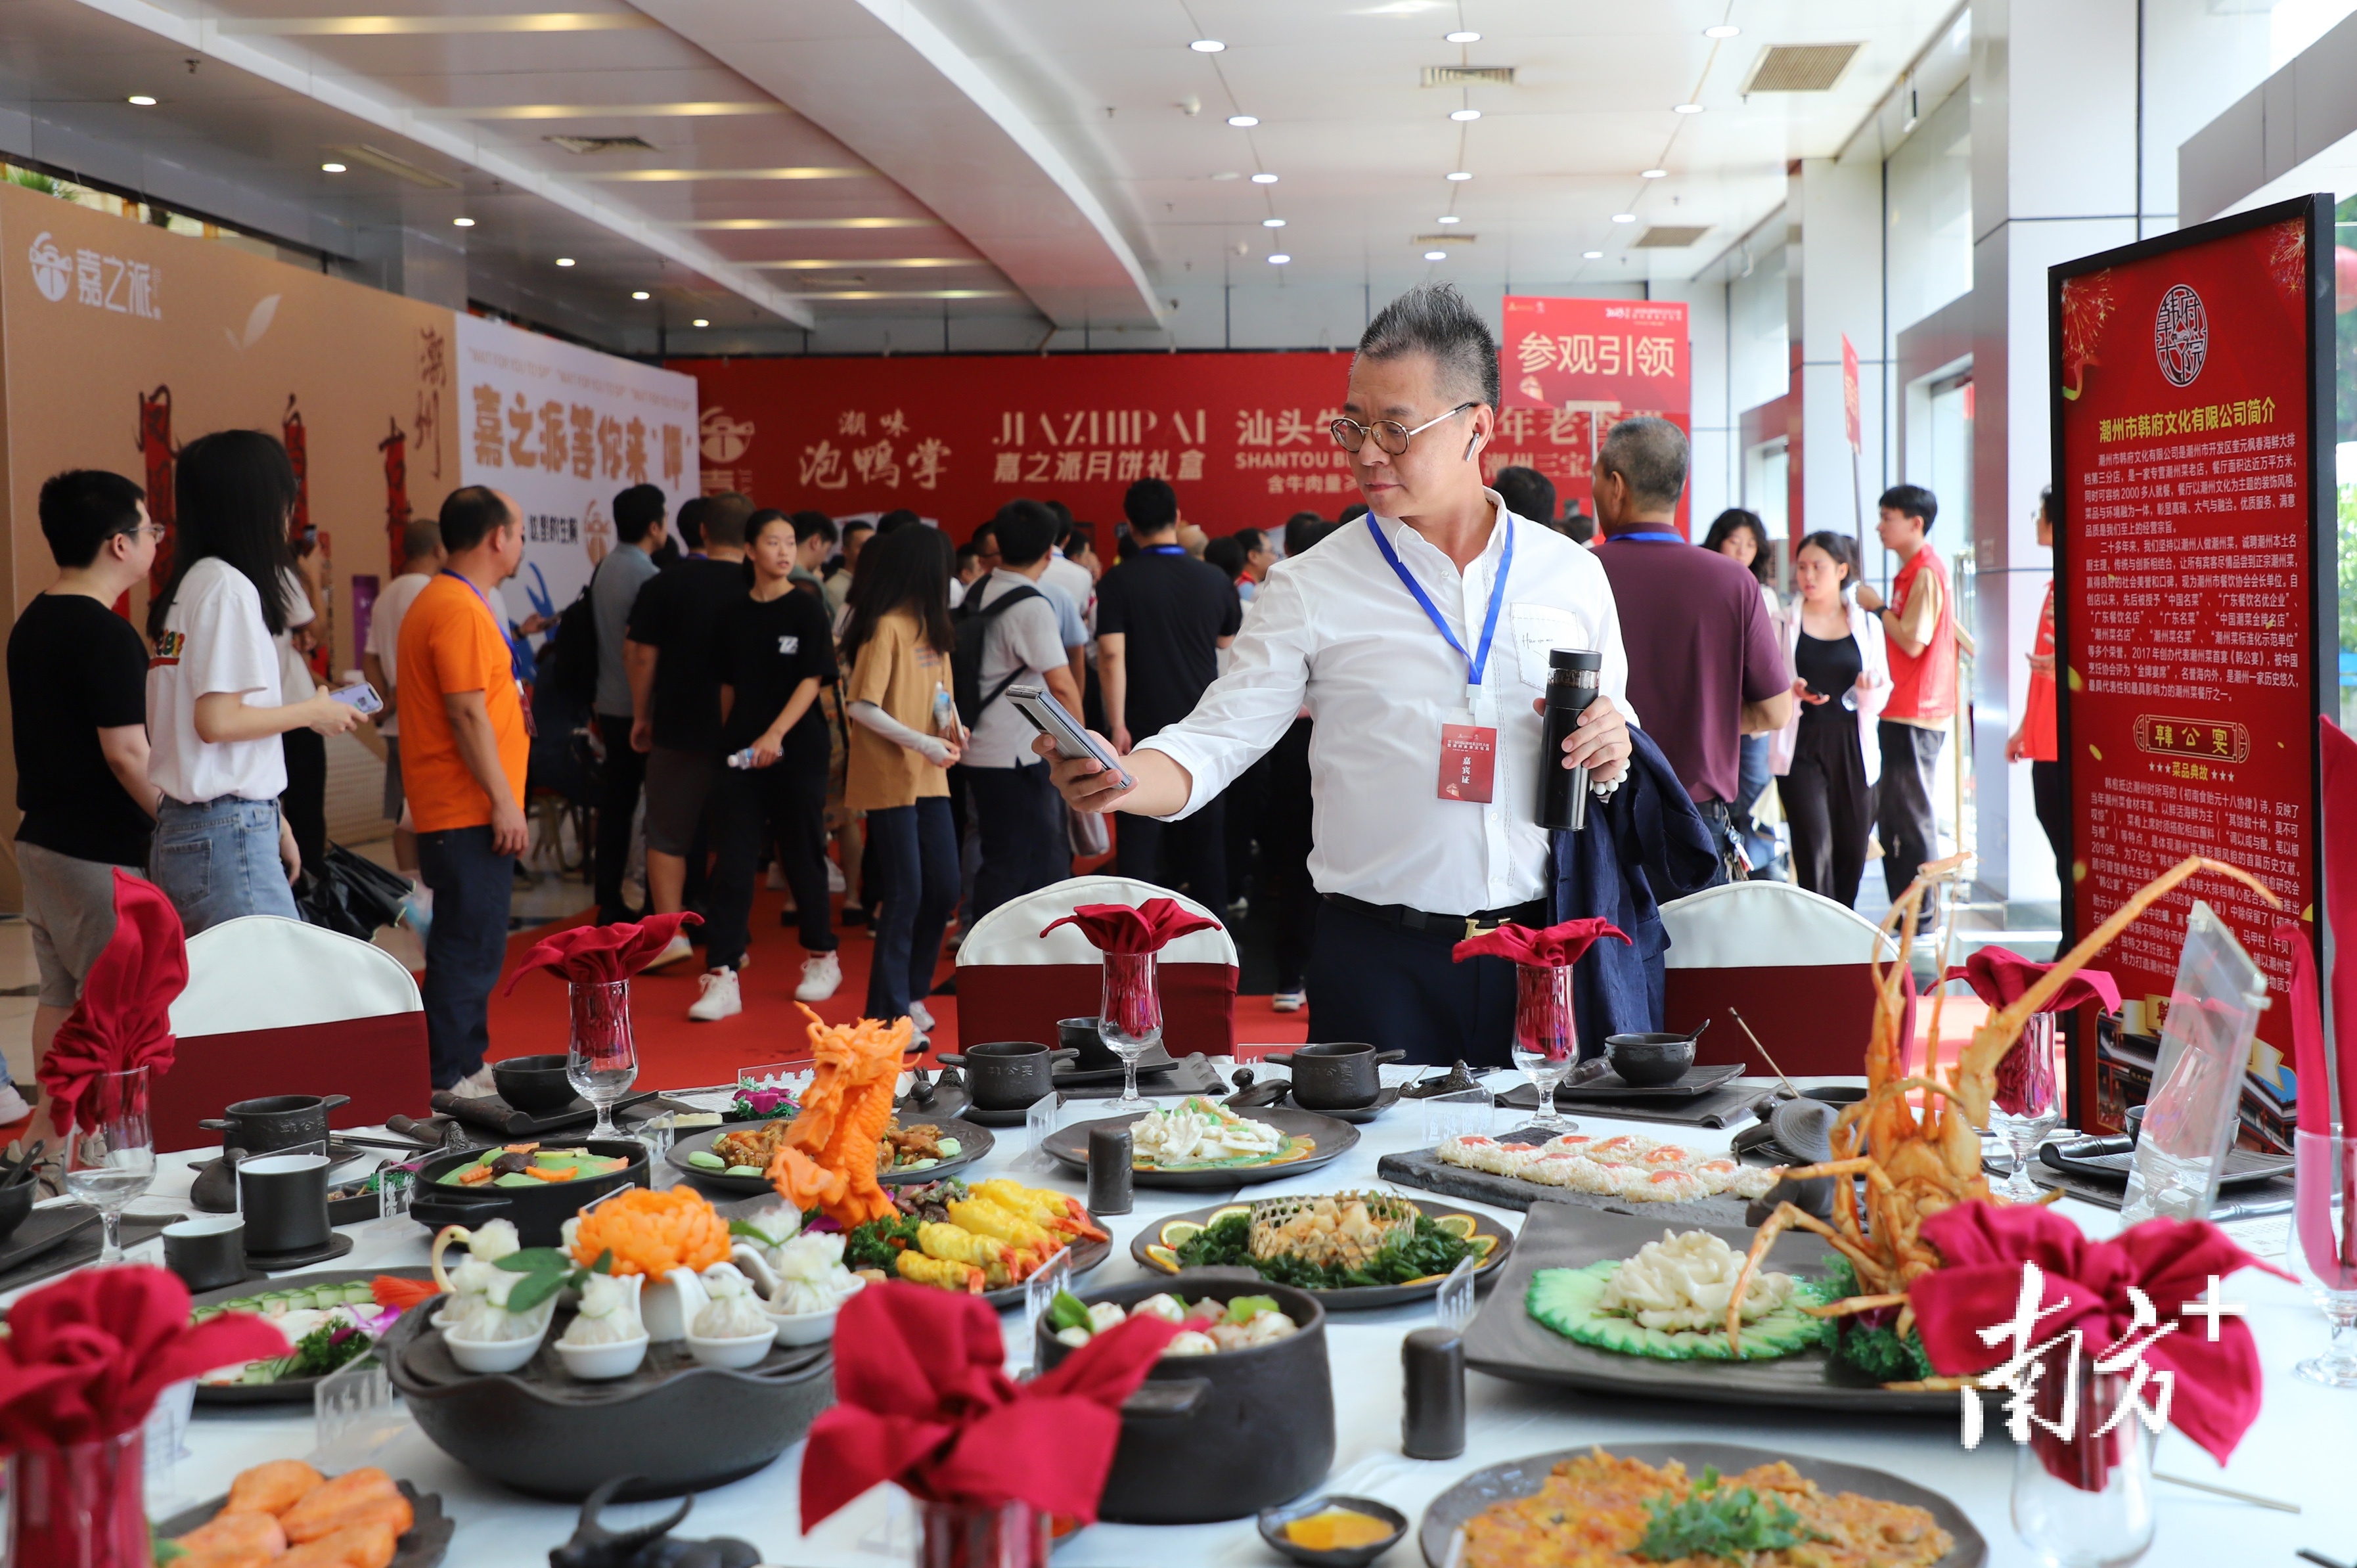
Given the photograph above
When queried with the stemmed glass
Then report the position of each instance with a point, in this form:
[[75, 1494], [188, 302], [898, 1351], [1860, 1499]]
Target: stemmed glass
[[1546, 1041], [111, 1152], [2024, 1107], [2324, 1249], [1130, 1019], [601, 1061]]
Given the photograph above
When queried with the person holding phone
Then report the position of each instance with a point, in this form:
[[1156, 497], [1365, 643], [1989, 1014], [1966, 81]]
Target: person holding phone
[[1825, 753], [216, 693], [898, 643]]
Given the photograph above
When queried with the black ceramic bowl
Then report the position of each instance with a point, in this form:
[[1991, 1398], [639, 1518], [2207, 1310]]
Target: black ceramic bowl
[[17, 1201], [1274, 1521], [540, 1210], [1215, 1437], [1647, 1061], [1835, 1093], [535, 1085]]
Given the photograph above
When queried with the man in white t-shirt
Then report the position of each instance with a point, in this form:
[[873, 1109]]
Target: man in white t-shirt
[[420, 543], [1024, 844]]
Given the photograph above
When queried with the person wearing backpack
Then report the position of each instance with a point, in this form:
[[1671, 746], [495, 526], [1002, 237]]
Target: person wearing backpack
[[1007, 634]]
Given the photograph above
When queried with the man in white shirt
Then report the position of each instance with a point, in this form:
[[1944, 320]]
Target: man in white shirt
[[421, 544], [1416, 634], [1025, 845]]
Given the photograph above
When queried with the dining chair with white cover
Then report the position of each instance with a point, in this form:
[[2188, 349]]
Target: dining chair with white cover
[[1796, 965]]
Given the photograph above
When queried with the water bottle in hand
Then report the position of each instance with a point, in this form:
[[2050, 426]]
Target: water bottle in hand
[[741, 758]]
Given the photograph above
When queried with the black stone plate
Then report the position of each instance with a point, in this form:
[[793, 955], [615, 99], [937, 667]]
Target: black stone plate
[[428, 1537], [1426, 1169], [1330, 1141], [1503, 1483], [974, 1142], [287, 1390], [44, 1229], [337, 1244], [1505, 1341], [1154, 1058], [1149, 1242], [2109, 1159], [1697, 1080]]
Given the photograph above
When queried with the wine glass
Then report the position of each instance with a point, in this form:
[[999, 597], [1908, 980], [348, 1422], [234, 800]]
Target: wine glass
[[111, 1152], [2024, 1107], [601, 1061], [2324, 1250], [1130, 1019], [1547, 1042]]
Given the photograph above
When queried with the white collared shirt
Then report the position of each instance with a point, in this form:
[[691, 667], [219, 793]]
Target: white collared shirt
[[1336, 631]]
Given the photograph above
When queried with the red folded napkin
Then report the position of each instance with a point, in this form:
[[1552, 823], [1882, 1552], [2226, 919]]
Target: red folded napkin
[[1550, 949], [2339, 827], [1979, 1287], [1999, 976], [1117, 927], [600, 955], [124, 1017], [924, 1400], [85, 1358]]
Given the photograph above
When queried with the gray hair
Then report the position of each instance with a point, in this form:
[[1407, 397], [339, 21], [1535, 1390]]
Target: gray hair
[[1650, 453], [1433, 318]]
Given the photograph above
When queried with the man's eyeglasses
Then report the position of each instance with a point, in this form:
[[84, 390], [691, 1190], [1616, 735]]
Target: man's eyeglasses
[[154, 529], [1389, 433]]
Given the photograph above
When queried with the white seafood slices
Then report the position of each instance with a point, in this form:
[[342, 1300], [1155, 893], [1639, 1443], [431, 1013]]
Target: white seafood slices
[[1753, 1181], [1569, 1143], [1618, 1151], [1661, 1186], [1667, 1157], [1572, 1171], [1484, 1154]]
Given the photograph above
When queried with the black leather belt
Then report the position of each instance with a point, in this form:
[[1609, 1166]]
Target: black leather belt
[[1442, 927]]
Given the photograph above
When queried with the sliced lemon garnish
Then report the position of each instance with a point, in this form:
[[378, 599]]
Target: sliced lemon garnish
[[1162, 1258], [1458, 1225], [1181, 1231]]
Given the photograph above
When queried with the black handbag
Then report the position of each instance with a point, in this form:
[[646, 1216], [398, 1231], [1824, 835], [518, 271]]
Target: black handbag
[[350, 894]]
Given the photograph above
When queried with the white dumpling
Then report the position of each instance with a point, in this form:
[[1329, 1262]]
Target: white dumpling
[[811, 1275], [1165, 1307], [493, 1240], [609, 1313], [733, 1312]]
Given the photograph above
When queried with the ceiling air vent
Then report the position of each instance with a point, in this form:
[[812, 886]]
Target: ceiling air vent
[[1665, 238], [1450, 238], [1468, 76], [583, 146], [1799, 68], [384, 162]]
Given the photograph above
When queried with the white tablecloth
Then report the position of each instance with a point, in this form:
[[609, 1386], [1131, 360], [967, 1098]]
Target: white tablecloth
[[2299, 1451]]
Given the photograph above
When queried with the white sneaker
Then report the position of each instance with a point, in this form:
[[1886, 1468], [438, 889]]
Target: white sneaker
[[680, 947], [922, 1017], [1288, 1002], [12, 1104], [720, 999], [477, 1085], [834, 882], [822, 978]]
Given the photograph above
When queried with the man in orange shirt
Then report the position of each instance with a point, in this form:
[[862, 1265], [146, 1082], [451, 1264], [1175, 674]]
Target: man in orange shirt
[[464, 746]]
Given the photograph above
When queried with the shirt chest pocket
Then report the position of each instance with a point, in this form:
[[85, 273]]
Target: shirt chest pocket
[[1539, 631]]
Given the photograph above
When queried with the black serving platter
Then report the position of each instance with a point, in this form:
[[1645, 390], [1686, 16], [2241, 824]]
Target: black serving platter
[[44, 1229], [287, 1390], [423, 1545], [1505, 1341], [974, 1142], [1330, 1139], [2110, 1159], [1448, 1512], [1154, 1058], [1696, 1081], [1492, 1242]]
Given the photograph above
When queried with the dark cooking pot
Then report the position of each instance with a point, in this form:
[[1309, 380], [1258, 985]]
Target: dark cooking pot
[[1081, 1035], [1336, 1076], [540, 1210], [535, 1085], [275, 1122], [1008, 1075], [1214, 1437]]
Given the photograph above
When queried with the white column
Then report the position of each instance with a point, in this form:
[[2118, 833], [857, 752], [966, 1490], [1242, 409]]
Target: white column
[[1836, 261]]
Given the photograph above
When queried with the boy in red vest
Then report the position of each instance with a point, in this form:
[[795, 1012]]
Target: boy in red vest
[[1921, 633]]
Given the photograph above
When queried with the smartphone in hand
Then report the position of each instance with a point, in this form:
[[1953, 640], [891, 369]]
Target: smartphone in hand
[[361, 696]]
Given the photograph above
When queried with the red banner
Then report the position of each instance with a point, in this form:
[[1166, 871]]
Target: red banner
[[2185, 457], [1587, 364], [1241, 437]]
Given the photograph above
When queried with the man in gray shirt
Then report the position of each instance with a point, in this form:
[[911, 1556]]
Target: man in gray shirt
[[1024, 844], [613, 589]]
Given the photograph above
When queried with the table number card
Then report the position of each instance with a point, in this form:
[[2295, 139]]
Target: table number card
[[1453, 1302], [1468, 1113], [1041, 1288], [354, 1414]]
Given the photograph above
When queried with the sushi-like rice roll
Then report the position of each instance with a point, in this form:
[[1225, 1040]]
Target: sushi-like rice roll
[[1661, 1187], [1556, 1170], [1619, 1151], [1483, 1153], [1718, 1173], [1753, 1181], [1569, 1143], [1667, 1157]]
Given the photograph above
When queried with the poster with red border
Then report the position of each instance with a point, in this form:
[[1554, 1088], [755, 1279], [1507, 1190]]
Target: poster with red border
[[1570, 369], [2191, 443]]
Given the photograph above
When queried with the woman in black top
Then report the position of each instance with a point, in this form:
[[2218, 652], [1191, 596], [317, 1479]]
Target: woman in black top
[[1841, 679]]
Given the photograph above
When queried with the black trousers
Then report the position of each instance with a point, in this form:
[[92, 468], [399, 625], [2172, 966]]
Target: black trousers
[[1285, 845], [784, 803], [1024, 844], [1246, 800], [626, 772], [304, 800], [1829, 808], [1400, 990], [465, 947], [1193, 851], [2050, 789], [1910, 834]]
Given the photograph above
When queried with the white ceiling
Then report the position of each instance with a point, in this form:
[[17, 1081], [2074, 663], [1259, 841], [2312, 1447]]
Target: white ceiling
[[1059, 158]]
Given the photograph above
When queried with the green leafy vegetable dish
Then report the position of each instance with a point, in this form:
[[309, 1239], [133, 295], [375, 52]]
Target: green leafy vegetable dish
[[1348, 1240]]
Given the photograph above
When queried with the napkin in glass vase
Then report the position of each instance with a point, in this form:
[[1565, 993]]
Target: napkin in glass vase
[[1148, 928], [124, 1017], [1550, 949], [600, 955], [925, 1400], [1999, 977]]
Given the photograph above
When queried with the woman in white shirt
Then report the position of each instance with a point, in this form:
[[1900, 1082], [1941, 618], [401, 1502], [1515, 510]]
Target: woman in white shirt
[[215, 707], [1827, 756]]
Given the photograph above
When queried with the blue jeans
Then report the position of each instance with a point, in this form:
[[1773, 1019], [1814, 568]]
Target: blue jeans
[[1751, 782], [465, 946], [217, 860], [916, 886]]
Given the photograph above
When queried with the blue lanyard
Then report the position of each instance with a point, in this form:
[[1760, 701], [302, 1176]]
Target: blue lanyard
[[498, 620], [1474, 664], [1165, 549], [1649, 536]]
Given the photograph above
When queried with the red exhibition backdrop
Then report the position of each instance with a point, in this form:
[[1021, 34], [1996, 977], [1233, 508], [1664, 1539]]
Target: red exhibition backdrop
[[1241, 437], [2185, 433], [1572, 368]]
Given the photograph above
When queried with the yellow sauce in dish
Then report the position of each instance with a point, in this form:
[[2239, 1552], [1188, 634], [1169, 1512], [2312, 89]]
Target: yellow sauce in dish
[[1336, 1529]]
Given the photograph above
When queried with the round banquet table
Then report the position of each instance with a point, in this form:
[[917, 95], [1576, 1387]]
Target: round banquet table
[[2296, 1452]]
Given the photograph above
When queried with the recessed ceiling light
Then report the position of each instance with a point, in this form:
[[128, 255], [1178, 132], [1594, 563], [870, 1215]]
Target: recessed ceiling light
[[1264, 179], [1436, 255], [641, 293], [1463, 36], [1278, 259], [1243, 122], [462, 222], [1271, 222], [1465, 113], [1592, 255], [1685, 109], [332, 169], [699, 321], [1624, 218], [1460, 174], [143, 100], [564, 260], [1654, 174], [1207, 46], [1724, 30], [1451, 218]]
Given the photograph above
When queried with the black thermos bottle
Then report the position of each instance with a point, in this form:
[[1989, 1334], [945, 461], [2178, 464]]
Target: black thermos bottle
[[1572, 676]]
